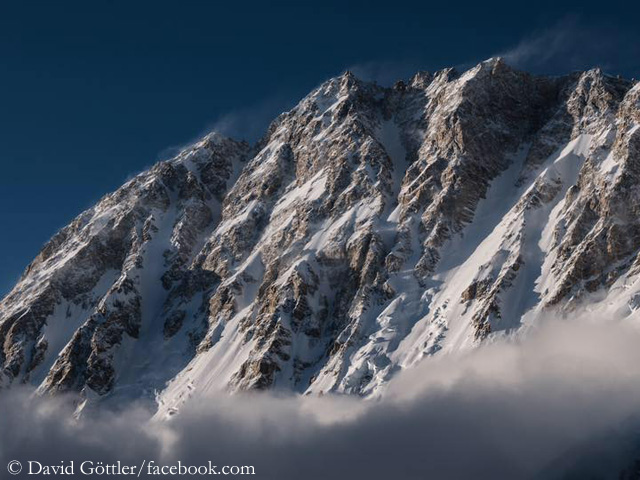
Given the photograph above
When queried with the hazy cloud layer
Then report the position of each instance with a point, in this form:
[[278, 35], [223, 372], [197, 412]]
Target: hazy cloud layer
[[566, 394]]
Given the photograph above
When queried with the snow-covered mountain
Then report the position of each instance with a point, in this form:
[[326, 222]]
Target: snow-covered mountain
[[369, 228]]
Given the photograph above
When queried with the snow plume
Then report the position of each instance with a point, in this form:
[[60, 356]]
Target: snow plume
[[572, 44], [251, 122], [563, 397], [248, 123]]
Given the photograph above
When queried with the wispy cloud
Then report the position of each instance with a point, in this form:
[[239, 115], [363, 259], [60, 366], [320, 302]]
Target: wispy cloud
[[247, 123], [569, 44], [572, 44], [250, 123]]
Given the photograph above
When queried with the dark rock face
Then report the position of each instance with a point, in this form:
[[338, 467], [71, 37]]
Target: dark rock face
[[369, 227]]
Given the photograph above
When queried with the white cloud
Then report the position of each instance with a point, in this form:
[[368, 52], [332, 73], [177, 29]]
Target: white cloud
[[566, 393]]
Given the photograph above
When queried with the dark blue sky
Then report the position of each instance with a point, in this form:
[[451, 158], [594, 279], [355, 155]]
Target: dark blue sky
[[93, 92]]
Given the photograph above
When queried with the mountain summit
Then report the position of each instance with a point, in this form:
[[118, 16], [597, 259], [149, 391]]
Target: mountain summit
[[368, 228]]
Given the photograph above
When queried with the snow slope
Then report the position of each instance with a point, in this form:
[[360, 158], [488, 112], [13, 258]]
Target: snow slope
[[370, 227]]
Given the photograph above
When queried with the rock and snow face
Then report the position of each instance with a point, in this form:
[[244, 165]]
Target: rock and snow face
[[369, 227]]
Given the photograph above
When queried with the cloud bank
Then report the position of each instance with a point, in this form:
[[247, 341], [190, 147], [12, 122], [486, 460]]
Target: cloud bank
[[563, 398]]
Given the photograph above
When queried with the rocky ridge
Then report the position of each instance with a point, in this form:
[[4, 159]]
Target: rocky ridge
[[369, 227]]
